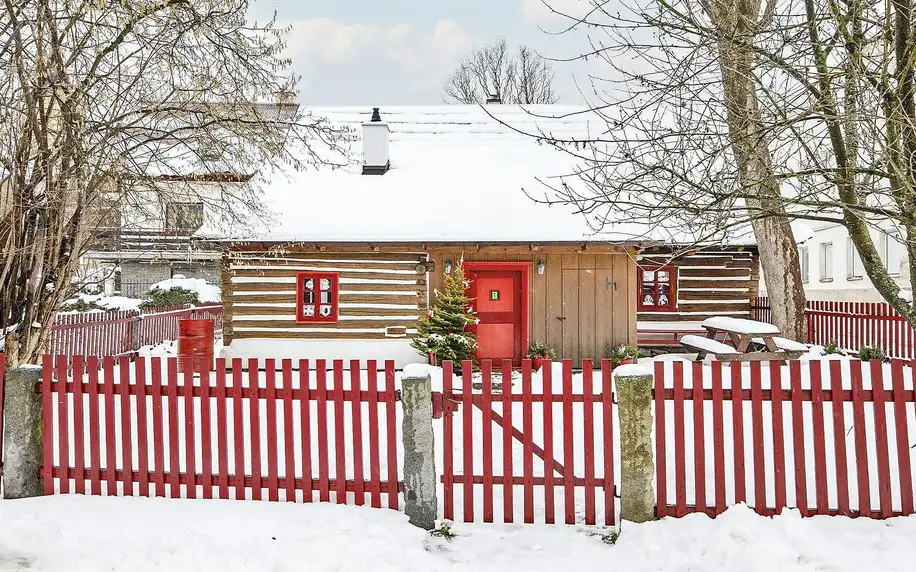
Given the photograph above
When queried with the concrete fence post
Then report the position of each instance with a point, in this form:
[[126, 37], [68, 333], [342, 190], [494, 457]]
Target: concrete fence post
[[421, 504], [637, 467], [22, 434]]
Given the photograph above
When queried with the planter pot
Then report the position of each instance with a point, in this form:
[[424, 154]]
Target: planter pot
[[432, 359], [625, 362], [540, 362]]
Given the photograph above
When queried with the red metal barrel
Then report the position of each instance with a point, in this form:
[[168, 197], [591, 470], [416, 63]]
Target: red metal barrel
[[195, 344]]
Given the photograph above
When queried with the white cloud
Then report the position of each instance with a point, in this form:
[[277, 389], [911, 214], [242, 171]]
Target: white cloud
[[539, 11], [331, 41]]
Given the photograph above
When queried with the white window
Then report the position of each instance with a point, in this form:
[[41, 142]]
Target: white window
[[893, 251], [854, 268], [803, 261], [826, 260]]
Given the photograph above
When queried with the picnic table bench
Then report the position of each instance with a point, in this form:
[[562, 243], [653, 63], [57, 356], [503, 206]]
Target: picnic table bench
[[751, 341]]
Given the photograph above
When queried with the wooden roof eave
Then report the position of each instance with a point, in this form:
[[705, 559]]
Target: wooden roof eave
[[432, 246]]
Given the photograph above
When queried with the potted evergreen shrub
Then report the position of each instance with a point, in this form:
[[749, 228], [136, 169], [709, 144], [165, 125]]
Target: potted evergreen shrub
[[540, 354], [442, 333], [624, 354]]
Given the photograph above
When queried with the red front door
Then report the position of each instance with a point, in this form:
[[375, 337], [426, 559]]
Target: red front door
[[499, 301]]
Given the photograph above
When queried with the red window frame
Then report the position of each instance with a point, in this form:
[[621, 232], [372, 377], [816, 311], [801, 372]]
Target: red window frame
[[672, 298], [316, 316]]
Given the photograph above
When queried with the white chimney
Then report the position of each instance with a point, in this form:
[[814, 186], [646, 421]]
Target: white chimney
[[375, 145]]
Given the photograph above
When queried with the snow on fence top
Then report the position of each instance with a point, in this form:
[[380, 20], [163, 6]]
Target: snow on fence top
[[456, 175]]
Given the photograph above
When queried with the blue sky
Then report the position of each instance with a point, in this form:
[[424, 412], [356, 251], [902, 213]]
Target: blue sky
[[388, 52]]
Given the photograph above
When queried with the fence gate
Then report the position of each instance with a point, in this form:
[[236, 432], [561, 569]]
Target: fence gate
[[537, 439]]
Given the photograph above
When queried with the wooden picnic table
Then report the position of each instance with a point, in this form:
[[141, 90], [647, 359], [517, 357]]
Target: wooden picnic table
[[747, 337]]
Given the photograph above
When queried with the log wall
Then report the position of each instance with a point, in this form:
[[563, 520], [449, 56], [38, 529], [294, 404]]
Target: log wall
[[381, 295], [710, 283]]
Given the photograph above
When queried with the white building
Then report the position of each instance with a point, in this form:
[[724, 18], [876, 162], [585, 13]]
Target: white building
[[831, 267]]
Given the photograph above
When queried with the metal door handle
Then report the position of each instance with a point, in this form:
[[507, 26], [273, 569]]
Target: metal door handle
[[561, 318]]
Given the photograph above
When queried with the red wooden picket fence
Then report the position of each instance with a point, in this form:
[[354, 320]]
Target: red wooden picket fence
[[122, 332], [853, 325], [115, 426], [535, 438], [842, 447]]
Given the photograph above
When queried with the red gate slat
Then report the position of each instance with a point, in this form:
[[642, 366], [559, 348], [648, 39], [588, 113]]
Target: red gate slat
[[508, 488], [607, 398], [324, 491], [289, 445], [273, 478], [356, 421], [858, 416], [340, 470], [375, 474], [779, 436], [588, 433], [111, 463], [903, 440], [79, 427], [798, 438], [222, 429], [839, 438], [527, 449], [95, 454], [820, 437], [569, 497], [174, 436], [254, 423], [238, 429], [63, 425], [487, 432], [126, 440], [760, 502], [680, 459], [305, 424], [189, 436], [206, 433], [881, 445], [448, 483], [718, 435], [391, 412], [699, 438], [47, 413], [661, 436], [142, 427], [549, 497], [467, 442]]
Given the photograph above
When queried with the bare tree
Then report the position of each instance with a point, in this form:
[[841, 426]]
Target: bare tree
[[105, 104], [495, 71], [723, 116]]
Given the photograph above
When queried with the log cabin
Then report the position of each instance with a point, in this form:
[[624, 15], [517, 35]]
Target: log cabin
[[349, 258]]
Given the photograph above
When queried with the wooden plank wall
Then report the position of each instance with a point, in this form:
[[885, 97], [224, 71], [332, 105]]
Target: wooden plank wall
[[710, 283], [574, 305], [381, 295]]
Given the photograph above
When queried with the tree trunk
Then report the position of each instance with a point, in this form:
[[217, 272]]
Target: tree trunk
[[736, 24]]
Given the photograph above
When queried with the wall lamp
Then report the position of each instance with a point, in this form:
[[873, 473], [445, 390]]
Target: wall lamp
[[448, 266], [540, 266]]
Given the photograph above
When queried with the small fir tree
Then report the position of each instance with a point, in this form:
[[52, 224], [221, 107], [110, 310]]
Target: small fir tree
[[442, 332]]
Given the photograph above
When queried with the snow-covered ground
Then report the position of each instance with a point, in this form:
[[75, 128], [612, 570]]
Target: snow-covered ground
[[76, 534]]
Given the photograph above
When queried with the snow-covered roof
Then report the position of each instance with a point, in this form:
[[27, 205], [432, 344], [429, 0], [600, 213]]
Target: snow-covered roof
[[457, 175]]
